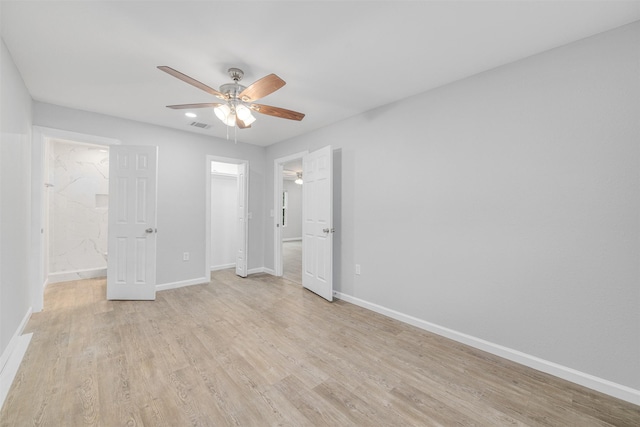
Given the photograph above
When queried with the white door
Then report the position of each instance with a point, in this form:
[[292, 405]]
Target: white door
[[317, 224], [242, 208], [131, 264]]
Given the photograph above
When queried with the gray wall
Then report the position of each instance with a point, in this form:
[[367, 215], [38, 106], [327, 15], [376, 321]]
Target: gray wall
[[503, 206], [293, 230], [182, 174], [15, 200]]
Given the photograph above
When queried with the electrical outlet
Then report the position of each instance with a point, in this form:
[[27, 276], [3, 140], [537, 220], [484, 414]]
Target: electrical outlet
[[358, 269], [185, 256]]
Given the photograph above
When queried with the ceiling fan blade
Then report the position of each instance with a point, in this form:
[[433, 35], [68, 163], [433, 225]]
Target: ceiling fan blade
[[277, 112], [185, 106], [261, 88], [241, 124], [192, 82]]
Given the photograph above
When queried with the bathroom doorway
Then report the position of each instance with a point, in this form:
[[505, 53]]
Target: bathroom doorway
[[76, 201]]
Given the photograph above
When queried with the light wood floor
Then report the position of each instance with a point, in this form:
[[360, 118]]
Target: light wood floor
[[292, 260], [262, 351]]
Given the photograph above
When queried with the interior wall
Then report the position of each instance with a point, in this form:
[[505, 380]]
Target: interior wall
[[78, 207], [224, 220], [181, 185], [515, 217], [15, 201], [293, 228]]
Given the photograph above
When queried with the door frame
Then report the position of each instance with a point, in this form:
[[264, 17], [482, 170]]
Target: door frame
[[40, 139], [211, 158], [278, 186]]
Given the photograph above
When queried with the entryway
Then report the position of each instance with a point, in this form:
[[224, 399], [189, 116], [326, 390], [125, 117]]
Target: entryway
[[69, 204], [227, 214], [76, 204], [315, 176]]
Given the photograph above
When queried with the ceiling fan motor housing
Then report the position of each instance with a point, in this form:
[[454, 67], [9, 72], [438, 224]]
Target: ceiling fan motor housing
[[232, 90], [236, 74]]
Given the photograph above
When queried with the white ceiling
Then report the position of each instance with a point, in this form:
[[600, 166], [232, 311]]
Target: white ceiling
[[338, 58]]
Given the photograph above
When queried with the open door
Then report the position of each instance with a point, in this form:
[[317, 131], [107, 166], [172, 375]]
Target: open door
[[131, 265], [317, 223], [243, 201]]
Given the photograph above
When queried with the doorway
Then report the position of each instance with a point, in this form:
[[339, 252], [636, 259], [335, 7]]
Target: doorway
[[40, 152], [292, 180], [226, 215], [224, 199], [76, 201], [289, 181]]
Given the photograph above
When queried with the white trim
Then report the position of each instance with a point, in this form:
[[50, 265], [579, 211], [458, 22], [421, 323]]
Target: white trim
[[277, 202], [75, 136], [223, 266], [6, 354], [183, 283], [37, 256], [67, 276], [11, 367], [225, 175], [292, 239], [587, 380], [12, 357]]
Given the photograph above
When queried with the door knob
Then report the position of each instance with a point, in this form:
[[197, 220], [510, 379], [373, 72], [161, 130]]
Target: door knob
[[149, 230]]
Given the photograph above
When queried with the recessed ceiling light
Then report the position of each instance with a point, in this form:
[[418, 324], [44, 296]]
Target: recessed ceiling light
[[191, 114]]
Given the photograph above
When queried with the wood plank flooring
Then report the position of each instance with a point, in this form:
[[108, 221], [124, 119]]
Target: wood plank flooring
[[292, 260], [262, 351]]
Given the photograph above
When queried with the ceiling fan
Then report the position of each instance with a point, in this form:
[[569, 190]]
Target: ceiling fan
[[237, 105]]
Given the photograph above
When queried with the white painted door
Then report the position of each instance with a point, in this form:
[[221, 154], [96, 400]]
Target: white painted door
[[317, 224], [243, 201], [131, 265]]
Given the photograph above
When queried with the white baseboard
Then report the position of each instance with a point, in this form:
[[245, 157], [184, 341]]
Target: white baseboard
[[67, 276], [12, 357], [292, 239], [222, 266], [183, 283], [587, 380]]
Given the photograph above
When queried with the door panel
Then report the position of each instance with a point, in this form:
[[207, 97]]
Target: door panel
[[131, 265], [317, 229]]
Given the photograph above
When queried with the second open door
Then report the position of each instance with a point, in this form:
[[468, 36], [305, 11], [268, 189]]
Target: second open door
[[317, 223]]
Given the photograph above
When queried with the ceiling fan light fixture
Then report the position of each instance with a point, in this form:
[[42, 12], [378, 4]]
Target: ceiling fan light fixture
[[222, 111], [243, 112], [298, 179], [226, 116], [230, 120], [250, 119]]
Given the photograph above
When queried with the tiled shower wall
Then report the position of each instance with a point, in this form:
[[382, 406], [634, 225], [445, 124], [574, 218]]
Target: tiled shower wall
[[78, 205]]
